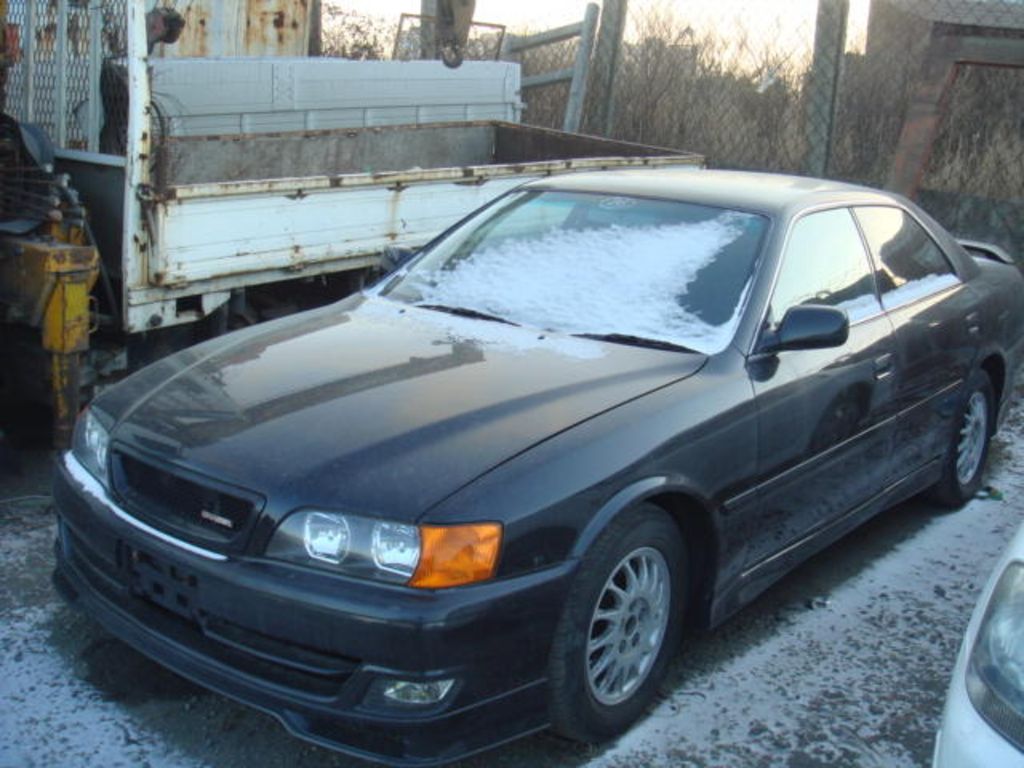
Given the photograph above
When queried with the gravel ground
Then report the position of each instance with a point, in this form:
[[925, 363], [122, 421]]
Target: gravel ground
[[845, 662]]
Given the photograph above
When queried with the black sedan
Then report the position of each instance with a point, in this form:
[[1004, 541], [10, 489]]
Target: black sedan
[[485, 496]]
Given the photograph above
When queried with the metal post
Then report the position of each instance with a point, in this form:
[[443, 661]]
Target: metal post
[[29, 58], [581, 68], [140, 256], [60, 116], [823, 83], [93, 112], [428, 49], [606, 63], [316, 36]]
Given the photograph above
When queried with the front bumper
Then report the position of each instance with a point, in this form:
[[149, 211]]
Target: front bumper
[[965, 739], [312, 648]]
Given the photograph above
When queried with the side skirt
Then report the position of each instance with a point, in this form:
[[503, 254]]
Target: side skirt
[[756, 579]]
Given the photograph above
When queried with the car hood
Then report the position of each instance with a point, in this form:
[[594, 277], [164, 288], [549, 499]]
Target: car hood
[[374, 406]]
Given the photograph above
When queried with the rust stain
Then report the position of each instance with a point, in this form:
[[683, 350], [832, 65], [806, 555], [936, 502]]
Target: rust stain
[[193, 40], [275, 27]]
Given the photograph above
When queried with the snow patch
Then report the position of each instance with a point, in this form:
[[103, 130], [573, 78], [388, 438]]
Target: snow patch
[[485, 333], [917, 289], [623, 280], [66, 719]]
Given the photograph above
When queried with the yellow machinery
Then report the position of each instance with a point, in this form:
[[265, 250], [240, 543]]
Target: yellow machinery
[[45, 281], [47, 269]]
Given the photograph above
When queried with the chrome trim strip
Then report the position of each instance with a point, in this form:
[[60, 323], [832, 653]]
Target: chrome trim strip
[[93, 487]]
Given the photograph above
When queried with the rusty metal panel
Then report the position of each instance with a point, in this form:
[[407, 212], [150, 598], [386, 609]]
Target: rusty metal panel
[[226, 236], [204, 160], [240, 28]]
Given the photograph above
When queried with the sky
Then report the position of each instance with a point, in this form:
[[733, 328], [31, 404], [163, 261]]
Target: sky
[[536, 14]]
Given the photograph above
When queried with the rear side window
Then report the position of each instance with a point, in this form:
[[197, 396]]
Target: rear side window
[[825, 263], [910, 264]]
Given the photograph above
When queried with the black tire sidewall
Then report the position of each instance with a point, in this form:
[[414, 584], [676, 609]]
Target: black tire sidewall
[[574, 711], [950, 491]]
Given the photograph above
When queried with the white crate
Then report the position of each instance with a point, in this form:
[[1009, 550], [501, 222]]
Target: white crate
[[259, 95]]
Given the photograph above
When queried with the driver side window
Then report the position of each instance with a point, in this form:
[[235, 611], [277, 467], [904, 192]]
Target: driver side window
[[825, 263]]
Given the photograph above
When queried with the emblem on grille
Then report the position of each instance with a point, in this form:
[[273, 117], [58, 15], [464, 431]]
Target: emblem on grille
[[213, 517]]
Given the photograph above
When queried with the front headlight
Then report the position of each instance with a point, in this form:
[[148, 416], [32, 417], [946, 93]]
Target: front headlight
[[995, 673], [90, 442], [383, 550]]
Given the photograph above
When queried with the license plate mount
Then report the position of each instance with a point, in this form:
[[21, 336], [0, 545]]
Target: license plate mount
[[165, 584]]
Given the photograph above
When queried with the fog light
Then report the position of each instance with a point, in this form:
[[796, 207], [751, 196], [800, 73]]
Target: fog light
[[417, 692]]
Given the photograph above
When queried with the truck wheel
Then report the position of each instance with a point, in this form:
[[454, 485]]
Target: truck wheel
[[621, 623], [968, 445]]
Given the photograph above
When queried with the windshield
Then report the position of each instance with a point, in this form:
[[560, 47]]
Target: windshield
[[595, 265]]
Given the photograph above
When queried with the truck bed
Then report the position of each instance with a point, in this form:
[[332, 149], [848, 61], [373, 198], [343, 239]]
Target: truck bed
[[237, 210]]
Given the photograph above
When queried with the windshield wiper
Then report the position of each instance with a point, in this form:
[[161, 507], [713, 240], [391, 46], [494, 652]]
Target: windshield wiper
[[466, 312], [636, 341]]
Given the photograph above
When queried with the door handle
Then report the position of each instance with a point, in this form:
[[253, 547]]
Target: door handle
[[883, 365]]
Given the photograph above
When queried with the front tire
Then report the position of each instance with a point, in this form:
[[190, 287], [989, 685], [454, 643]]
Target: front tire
[[968, 448], [621, 624]]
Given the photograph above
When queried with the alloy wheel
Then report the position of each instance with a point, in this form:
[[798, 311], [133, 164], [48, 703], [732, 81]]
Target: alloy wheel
[[628, 625], [971, 446]]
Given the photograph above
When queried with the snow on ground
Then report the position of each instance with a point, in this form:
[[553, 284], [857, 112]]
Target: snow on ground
[[52, 717], [851, 678]]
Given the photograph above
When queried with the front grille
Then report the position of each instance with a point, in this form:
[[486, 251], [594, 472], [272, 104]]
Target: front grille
[[314, 674], [194, 509]]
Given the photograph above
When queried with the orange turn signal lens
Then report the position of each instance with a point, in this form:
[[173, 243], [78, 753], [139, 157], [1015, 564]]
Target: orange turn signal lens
[[451, 555]]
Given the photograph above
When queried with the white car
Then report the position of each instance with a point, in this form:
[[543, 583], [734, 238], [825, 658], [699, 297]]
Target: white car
[[983, 723]]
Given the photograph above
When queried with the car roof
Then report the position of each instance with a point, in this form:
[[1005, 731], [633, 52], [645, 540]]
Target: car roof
[[769, 193]]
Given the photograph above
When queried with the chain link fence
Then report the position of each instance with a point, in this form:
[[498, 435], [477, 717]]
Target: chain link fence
[[822, 88], [57, 50]]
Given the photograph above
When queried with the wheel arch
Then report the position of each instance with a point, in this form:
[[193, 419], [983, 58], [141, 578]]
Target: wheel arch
[[692, 514], [995, 368]]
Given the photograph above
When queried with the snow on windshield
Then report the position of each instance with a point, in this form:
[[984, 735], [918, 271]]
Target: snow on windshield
[[622, 280]]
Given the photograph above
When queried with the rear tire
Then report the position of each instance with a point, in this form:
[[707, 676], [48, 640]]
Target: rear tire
[[620, 626], [968, 445]]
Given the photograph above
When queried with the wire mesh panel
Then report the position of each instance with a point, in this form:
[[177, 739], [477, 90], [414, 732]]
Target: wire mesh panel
[[54, 76], [822, 87], [972, 181], [725, 78], [544, 105]]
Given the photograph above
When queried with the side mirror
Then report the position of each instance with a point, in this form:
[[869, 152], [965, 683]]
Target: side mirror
[[808, 326], [395, 257]]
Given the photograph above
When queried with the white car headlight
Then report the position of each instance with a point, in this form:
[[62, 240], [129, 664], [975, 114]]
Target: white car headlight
[[357, 546], [89, 444], [995, 673]]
